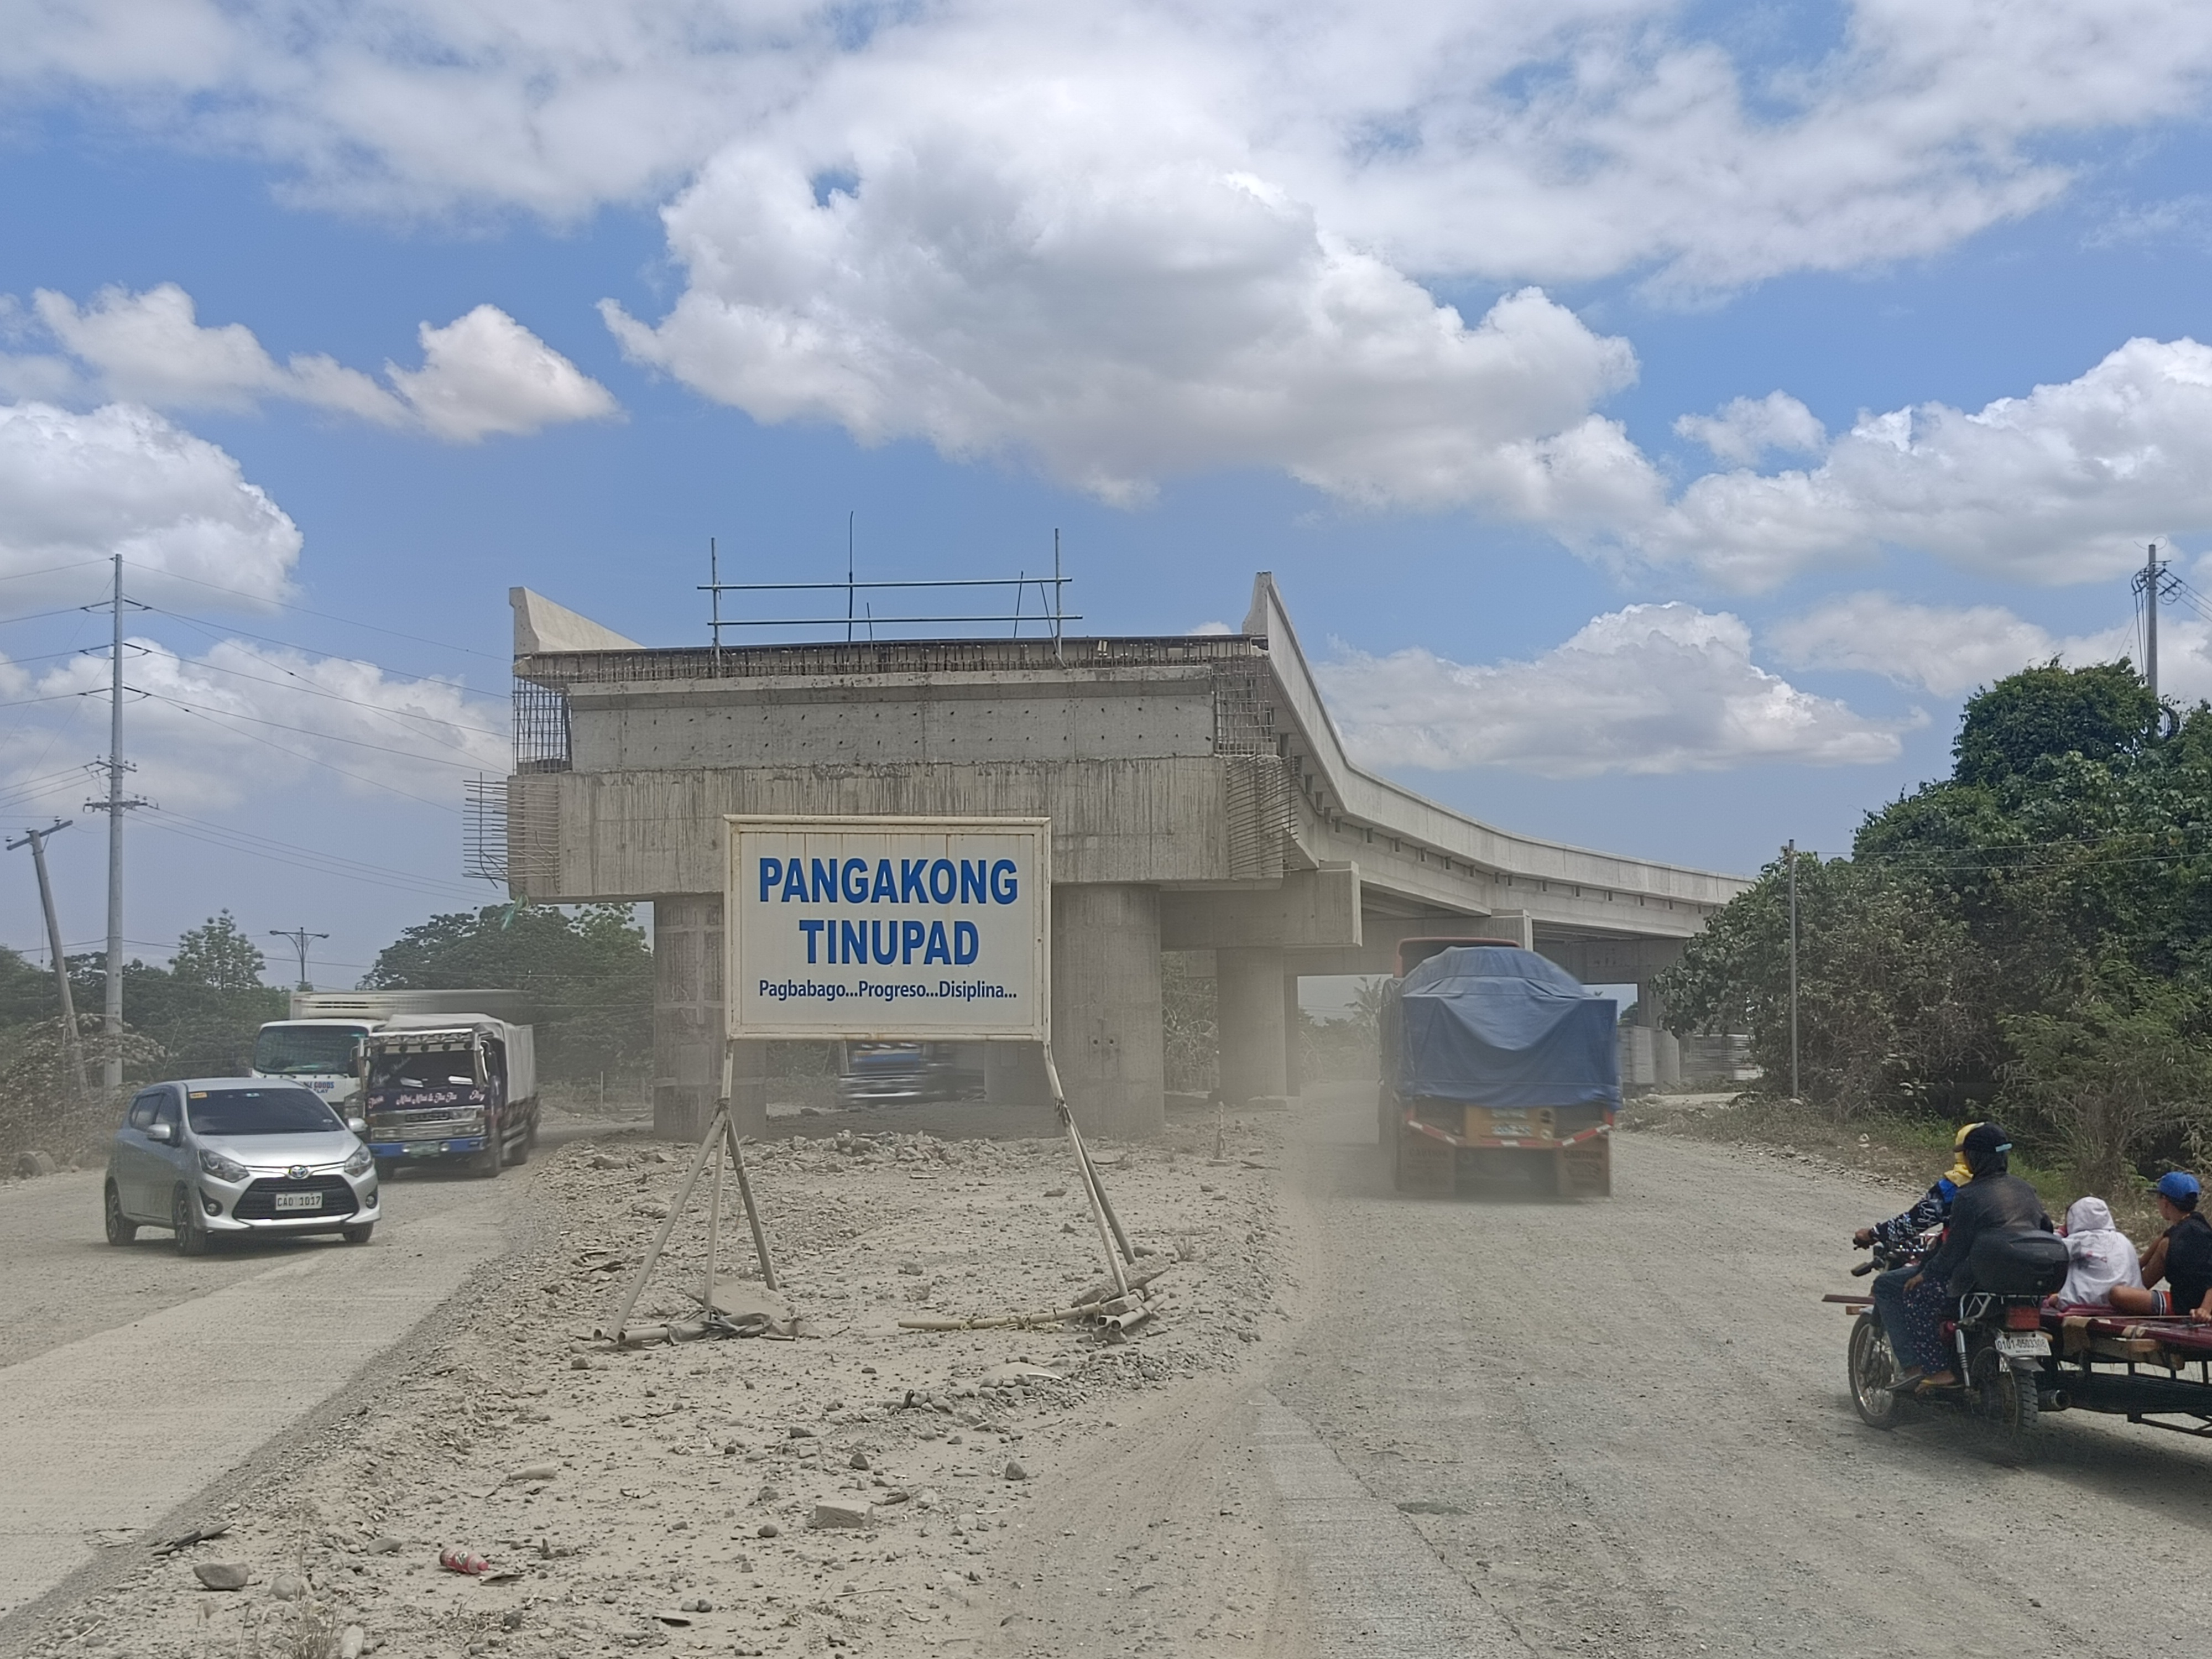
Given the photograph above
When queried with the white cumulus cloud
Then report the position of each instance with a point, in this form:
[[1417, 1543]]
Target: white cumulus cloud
[[76, 488], [2064, 484], [1951, 649], [150, 349], [1126, 240], [483, 374], [1117, 330], [1744, 428], [1649, 689], [1945, 650], [1572, 141], [242, 718]]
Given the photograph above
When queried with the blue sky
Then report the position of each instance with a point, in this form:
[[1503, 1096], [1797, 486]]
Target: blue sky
[[584, 285]]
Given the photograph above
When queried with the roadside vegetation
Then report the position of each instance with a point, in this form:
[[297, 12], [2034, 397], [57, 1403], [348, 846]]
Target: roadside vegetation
[[589, 972], [2029, 939]]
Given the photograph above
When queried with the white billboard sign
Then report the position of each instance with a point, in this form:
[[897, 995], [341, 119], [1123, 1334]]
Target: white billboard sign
[[901, 928]]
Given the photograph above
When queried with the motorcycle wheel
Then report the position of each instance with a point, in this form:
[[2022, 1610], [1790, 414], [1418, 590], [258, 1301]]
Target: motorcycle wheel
[[1872, 1368], [2006, 1399]]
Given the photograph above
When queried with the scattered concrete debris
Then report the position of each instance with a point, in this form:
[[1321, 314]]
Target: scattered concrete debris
[[675, 1477], [222, 1575], [204, 1535]]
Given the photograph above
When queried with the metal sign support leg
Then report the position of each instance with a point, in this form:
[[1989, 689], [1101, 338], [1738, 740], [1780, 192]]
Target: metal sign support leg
[[668, 1224], [1090, 1187]]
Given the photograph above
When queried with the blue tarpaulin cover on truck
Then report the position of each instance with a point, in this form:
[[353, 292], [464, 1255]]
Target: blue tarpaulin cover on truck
[[1494, 1026]]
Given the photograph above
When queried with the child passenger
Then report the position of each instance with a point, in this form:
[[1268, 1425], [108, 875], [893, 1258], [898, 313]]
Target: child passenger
[[2103, 1257]]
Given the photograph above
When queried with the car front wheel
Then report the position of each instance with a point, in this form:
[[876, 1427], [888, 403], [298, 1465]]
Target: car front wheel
[[184, 1217], [357, 1235], [121, 1229]]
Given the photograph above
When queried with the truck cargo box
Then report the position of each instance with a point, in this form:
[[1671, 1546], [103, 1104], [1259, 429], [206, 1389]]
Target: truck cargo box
[[1493, 1026]]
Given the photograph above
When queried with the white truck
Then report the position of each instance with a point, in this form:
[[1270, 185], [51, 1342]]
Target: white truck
[[449, 1087], [318, 1047]]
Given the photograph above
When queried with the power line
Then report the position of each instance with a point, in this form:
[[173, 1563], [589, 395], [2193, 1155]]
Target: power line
[[48, 570], [311, 852], [358, 703], [217, 632], [317, 760], [35, 616], [330, 616], [424, 886], [308, 731], [58, 696]]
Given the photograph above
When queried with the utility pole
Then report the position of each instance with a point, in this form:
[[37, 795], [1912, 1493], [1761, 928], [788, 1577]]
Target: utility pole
[[2147, 582], [36, 841], [298, 936], [115, 807], [1789, 852]]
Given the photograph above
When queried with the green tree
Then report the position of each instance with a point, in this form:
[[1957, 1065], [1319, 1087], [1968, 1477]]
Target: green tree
[[2096, 712], [588, 974], [26, 991], [218, 955], [2121, 1062], [1896, 1004], [2031, 934]]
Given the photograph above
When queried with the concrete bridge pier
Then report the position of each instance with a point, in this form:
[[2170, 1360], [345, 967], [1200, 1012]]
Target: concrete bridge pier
[[687, 1025], [1666, 1047], [1249, 1014], [1106, 1036]]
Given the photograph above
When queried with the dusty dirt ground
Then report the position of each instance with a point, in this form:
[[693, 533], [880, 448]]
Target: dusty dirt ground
[[664, 1497], [1364, 1426]]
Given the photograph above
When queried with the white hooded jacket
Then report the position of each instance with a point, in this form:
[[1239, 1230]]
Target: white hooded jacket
[[2103, 1256]]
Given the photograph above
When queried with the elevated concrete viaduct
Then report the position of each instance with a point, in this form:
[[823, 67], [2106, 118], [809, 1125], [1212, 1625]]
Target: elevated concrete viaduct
[[1200, 797]]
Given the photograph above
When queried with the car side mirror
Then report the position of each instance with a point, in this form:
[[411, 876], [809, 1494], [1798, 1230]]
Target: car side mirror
[[161, 1131], [358, 1125]]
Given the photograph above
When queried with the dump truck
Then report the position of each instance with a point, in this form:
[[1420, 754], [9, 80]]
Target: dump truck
[[1500, 1071], [449, 1088]]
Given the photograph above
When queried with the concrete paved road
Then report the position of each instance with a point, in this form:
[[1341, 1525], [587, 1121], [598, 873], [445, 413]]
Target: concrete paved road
[[1499, 1430], [130, 1378], [1624, 1427]]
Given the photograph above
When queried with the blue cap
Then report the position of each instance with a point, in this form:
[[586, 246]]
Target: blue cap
[[2178, 1185]]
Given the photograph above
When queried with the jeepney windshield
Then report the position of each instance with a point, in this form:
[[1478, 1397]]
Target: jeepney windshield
[[307, 1050], [438, 1069]]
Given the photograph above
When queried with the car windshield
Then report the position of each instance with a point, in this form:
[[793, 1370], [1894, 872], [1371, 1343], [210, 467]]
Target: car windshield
[[445, 1070], [301, 1050], [260, 1112]]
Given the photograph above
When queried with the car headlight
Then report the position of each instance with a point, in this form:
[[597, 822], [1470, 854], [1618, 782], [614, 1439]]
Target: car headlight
[[360, 1162], [221, 1168]]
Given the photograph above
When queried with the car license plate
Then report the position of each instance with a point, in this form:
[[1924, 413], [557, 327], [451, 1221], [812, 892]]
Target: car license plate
[[298, 1202], [2023, 1345]]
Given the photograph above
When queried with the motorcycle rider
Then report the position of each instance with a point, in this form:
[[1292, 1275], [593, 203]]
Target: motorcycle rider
[[1901, 1231], [2181, 1255], [1994, 1200]]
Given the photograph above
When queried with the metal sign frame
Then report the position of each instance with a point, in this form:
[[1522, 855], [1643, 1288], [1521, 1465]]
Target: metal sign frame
[[874, 1020]]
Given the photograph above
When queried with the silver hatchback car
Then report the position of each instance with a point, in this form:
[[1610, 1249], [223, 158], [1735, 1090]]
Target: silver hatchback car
[[237, 1156]]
